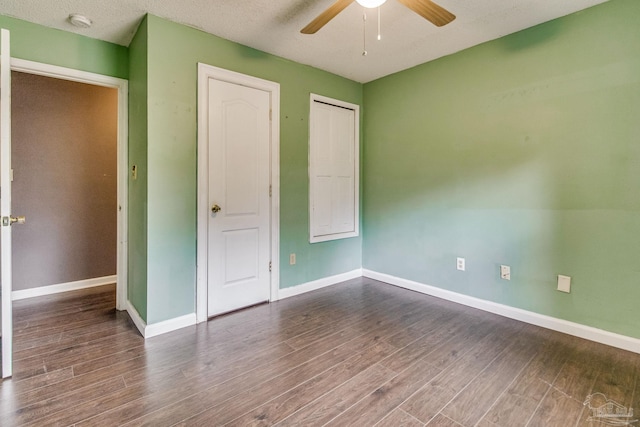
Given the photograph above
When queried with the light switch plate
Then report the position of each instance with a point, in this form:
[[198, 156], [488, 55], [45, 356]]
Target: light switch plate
[[564, 283], [505, 272]]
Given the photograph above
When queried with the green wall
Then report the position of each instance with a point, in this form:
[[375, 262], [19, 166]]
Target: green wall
[[41, 44], [137, 206], [173, 52], [522, 151]]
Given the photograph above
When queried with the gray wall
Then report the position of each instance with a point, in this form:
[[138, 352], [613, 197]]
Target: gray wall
[[64, 156]]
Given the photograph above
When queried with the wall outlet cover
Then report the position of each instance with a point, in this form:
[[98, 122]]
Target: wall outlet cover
[[460, 264]]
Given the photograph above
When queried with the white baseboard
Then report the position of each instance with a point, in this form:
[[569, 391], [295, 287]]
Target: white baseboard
[[560, 325], [62, 287], [170, 325], [318, 284], [137, 319], [159, 328]]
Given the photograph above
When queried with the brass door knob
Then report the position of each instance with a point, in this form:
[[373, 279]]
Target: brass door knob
[[17, 219], [10, 220], [215, 209]]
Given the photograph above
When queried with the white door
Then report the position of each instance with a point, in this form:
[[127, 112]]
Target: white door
[[239, 201], [5, 200]]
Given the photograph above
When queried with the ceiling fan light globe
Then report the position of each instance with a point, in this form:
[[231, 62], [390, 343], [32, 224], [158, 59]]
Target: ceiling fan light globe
[[370, 3]]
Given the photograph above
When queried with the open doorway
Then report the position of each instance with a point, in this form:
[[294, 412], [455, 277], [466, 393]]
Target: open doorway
[[78, 238], [64, 160]]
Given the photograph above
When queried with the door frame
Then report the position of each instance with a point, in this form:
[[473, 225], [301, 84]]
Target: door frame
[[205, 72], [122, 86]]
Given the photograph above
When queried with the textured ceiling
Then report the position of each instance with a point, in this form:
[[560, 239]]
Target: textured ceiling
[[274, 26]]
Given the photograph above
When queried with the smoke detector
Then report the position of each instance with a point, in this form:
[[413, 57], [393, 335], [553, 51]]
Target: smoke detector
[[80, 21]]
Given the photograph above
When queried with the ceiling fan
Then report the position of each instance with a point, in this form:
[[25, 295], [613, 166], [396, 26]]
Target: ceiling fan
[[437, 15]]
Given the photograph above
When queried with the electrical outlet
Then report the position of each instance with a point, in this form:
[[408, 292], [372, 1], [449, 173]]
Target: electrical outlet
[[292, 259], [564, 283], [460, 264], [505, 272]]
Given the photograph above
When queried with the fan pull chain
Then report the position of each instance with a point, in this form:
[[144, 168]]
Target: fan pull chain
[[364, 33], [379, 36]]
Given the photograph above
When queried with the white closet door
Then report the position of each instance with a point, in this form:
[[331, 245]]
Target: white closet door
[[333, 171]]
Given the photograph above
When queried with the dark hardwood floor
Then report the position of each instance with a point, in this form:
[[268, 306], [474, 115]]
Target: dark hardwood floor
[[360, 353]]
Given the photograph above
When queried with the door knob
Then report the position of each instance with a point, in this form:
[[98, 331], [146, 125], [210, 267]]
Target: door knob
[[10, 220], [215, 209], [17, 219]]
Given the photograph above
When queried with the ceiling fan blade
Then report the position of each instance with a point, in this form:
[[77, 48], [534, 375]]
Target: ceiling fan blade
[[430, 11], [326, 16]]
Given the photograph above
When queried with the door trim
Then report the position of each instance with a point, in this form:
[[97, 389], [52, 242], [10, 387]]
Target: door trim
[[122, 86], [5, 234], [205, 72]]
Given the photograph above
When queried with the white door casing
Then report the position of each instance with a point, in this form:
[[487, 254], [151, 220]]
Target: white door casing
[[122, 86], [5, 200], [238, 138]]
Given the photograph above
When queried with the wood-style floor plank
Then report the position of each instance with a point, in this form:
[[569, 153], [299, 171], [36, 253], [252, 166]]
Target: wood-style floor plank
[[215, 394], [399, 418], [442, 421], [55, 404], [518, 403], [470, 405], [434, 396], [333, 403], [362, 353], [287, 403], [388, 397]]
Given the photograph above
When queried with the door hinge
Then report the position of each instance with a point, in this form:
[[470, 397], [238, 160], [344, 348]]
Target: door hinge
[[269, 265], [270, 114], [270, 190]]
